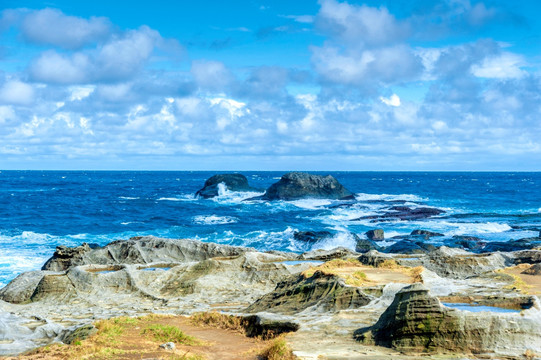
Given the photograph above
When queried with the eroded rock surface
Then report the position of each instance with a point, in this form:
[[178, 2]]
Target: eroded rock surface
[[233, 182], [298, 185]]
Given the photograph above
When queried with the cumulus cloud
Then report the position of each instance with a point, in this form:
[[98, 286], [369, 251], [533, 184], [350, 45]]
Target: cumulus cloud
[[211, 75], [52, 27], [120, 58], [16, 92], [502, 66], [392, 100]]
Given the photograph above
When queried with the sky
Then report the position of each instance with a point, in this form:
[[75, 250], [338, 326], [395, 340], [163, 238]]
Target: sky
[[420, 85]]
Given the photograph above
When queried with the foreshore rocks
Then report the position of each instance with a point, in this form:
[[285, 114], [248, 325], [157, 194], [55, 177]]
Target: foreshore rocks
[[417, 322], [233, 182], [323, 302], [299, 185]]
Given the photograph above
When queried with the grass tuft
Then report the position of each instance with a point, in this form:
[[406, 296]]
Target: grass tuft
[[169, 333], [218, 320], [277, 350]]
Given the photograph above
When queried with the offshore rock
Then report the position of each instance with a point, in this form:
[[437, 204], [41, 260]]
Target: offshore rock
[[321, 291], [141, 250], [425, 233], [466, 242], [299, 185], [375, 235], [417, 322], [514, 245], [311, 236], [364, 245], [404, 214], [410, 247], [233, 182]]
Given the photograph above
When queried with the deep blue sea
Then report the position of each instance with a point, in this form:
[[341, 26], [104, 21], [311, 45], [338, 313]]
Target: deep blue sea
[[42, 209]]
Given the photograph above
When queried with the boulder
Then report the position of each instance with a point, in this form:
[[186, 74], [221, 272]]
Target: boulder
[[417, 322], [364, 245], [321, 291], [233, 182], [513, 245], [311, 236], [425, 233], [375, 235], [299, 185]]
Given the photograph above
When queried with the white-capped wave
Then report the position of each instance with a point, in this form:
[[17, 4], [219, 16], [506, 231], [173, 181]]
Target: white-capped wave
[[311, 204], [389, 197], [459, 228], [343, 239], [214, 220], [128, 198], [227, 196]]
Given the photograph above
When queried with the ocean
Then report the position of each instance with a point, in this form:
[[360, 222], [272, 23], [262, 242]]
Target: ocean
[[40, 210]]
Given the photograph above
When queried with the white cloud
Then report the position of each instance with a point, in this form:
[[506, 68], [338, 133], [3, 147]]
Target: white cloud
[[358, 25], [212, 75], [51, 26], [393, 100], [16, 92], [504, 66]]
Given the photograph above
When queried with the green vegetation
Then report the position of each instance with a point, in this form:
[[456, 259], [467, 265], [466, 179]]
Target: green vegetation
[[169, 333]]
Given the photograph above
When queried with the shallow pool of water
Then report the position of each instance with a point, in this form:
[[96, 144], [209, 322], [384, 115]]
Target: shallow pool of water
[[479, 308]]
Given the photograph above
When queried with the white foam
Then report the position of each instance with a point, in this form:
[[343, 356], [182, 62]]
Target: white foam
[[340, 239], [459, 228], [389, 197], [227, 196], [214, 220], [128, 198], [311, 204]]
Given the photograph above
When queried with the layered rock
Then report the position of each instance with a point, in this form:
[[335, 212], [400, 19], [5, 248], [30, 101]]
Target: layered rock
[[322, 291], [298, 185], [233, 182], [417, 322], [375, 235], [140, 250], [405, 213]]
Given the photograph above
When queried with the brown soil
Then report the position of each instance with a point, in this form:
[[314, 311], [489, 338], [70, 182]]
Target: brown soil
[[213, 344]]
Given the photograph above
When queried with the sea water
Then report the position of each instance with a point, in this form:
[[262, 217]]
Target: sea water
[[40, 210]]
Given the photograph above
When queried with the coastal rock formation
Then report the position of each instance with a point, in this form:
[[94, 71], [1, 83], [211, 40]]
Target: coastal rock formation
[[233, 182], [321, 291], [466, 242], [410, 247], [364, 245], [533, 270], [425, 233], [311, 236], [417, 322], [404, 214], [140, 250], [299, 185], [375, 235]]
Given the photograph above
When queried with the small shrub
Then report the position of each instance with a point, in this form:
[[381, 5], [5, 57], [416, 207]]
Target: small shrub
[[277, 350], [389, 264]]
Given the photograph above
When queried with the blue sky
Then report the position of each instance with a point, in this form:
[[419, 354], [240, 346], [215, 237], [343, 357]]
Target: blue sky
[[277, 85]]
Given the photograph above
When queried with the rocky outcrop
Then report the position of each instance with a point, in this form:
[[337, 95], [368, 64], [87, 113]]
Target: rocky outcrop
[[325, 255], [404, 214], [233, 182], [298, 185], [140, 250], [417, 322], [410, 247], [365, 245], [375, 235], [311, 236], [78, 333], [513, 245], [320, 291], [268, 325], [425, 233], [533, 270], [466, 242]]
